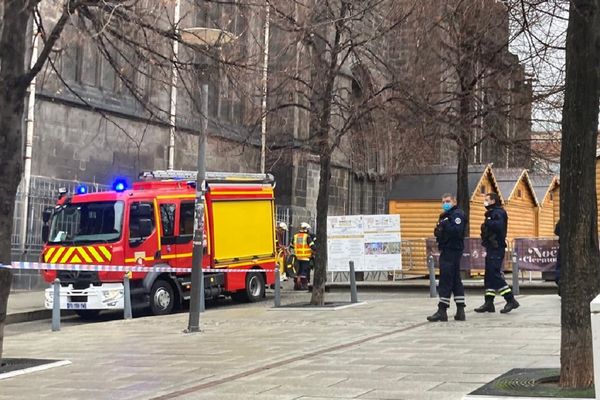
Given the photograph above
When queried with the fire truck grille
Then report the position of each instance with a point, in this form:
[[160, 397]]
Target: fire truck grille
[[79, 279]]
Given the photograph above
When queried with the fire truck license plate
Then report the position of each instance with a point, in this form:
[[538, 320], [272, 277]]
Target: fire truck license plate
[[76, 306]]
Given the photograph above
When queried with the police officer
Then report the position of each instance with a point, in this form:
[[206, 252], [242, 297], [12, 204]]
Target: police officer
[[493, 238], [303, 244], [450, 236]]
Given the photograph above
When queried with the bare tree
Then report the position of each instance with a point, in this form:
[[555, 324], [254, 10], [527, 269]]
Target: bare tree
[[580, 258], [339, 81]]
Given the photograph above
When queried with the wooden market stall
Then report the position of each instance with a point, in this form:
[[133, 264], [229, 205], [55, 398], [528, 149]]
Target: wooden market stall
[[545, 187], [417, 198], [520, 201]]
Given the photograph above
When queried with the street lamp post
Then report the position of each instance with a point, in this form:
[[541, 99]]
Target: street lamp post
[[205, 37]]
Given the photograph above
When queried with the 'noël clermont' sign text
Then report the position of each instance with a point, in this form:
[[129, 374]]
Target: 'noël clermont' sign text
[[536, 254]]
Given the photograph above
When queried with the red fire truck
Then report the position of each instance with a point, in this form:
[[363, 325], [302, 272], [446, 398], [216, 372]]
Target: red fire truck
[[151, 224]]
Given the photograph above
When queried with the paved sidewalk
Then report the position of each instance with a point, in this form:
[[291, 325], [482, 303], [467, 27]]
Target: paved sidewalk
[[383, 349], [26, 306]]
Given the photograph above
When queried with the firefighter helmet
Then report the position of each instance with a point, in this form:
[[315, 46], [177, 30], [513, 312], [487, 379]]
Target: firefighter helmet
[[305, 226], [283, 226]]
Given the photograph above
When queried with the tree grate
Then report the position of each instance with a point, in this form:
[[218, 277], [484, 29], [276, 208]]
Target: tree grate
[[533, 382]]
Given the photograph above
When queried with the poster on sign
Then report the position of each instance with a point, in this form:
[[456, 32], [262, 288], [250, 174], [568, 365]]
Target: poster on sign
[[371, 241], [345, 242], [382, 242]]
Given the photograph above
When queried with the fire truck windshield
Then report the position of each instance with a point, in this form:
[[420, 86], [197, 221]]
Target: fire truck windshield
[[96, 222]]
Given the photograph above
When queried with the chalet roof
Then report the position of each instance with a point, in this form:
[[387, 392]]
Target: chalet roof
[[432, 183], [508, 178], [541, 184]]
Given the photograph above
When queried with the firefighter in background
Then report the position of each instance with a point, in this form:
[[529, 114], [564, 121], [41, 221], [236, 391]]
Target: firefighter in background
[[303, 244], [450, 236], [282, 249], [493, 238]]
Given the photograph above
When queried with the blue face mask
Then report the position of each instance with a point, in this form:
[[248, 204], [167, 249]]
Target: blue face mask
[[447, 206]]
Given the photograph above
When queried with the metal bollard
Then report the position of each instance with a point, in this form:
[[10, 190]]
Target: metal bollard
[[353, 294], [277, 288], [127, 314], [432, 287], [56, 306], [515, 275], [202, 294]]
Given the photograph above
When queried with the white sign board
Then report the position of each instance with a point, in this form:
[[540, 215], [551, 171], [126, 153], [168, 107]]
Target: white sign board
[[371, 241]]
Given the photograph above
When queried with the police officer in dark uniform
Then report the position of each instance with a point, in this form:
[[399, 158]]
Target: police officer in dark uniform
[[450, 236], [493, 238]]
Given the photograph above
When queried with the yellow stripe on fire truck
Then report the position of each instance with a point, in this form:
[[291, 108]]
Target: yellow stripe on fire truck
[[77, 255]]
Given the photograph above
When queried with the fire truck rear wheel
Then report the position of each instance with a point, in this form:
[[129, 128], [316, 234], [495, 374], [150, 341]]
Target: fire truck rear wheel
[[255, 287], [162, 298]]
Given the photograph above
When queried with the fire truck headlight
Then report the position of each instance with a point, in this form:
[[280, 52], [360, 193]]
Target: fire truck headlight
[[111, 295]]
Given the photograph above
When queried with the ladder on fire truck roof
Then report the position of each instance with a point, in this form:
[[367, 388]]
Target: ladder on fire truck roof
[[159, 175]]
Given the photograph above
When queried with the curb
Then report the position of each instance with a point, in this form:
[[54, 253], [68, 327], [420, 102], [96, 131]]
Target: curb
[[33, 315], [385, 286], [28, 316]]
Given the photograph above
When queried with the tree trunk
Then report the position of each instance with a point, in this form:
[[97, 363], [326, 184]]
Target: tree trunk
[[580, 258], [463, 196], [320, 274], [12, 94]]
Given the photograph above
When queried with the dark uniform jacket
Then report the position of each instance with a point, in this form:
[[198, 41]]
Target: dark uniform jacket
[[493, 229], [451, 229]]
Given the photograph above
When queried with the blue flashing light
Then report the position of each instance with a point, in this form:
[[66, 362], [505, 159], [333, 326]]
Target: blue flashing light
[[119, 185], [81, 189]]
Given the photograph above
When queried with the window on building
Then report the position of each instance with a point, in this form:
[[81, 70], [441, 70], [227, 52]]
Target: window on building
[[519, 193]]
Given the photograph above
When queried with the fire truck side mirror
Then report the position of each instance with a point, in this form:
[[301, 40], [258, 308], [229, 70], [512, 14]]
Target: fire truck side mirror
[[46, 214], [145, 229], [45, 233]]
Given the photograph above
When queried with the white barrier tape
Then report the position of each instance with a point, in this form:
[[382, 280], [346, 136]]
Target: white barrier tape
[[115, 268]]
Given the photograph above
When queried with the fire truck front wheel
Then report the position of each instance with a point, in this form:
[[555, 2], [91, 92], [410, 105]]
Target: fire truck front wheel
[[162, 298]]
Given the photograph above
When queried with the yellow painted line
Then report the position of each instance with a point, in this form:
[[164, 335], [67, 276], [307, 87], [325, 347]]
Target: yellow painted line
[[65, 258], [176, 196], [95, 254], [232, 193], [132, 260], [106, 253], [172, 256], [158, 222], [85, 255], [57, 255], [49, 253], [248, 263]]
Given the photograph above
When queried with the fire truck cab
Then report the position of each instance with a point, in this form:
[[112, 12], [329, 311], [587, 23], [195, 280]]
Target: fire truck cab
[[151, 224]]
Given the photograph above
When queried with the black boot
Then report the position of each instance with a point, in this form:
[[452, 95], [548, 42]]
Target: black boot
[[488, 306], [460, 313], [511, 304], [440, 314]]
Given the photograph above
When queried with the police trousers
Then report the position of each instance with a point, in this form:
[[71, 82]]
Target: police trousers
[[494, 278], [450, 281]]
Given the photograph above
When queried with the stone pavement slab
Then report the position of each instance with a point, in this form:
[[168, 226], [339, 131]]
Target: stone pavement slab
[[384, 349]]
